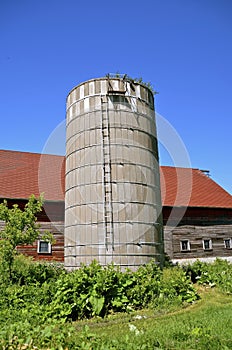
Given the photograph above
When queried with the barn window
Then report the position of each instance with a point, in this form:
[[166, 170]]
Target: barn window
[[184, 245], [228, 243], [207, 244], [44, 247]]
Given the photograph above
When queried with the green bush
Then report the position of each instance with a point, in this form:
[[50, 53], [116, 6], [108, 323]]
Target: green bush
[[36, 307], [97, 291], [20, 228], [217, 273], [41, 297], [145, 285], [175, 284], [27, 271], [89, 291]]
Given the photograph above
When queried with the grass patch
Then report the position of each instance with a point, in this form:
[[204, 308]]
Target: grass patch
[[44, 307], [204, 325]]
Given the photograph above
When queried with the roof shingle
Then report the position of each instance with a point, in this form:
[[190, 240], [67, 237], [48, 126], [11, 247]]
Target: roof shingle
[[25, 173], [193, 188]]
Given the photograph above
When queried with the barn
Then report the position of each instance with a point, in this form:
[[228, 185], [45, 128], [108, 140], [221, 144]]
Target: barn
[[197, 212]]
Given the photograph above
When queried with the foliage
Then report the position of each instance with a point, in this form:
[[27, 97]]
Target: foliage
[[44, 306], [175, 284], [97, 291], [27, 271], [217, 273], [38, 308], [146, 285], [20, 228], [89, 291], [200, 327], [45, 294]]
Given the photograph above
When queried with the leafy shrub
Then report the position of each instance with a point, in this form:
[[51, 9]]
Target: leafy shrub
[[27, 271], [43, 297], [95, 290], [91, 290], [36, 307], [195, 270], [88, 291], [217, 273], [20, 228], [176, 284], [145, 286]]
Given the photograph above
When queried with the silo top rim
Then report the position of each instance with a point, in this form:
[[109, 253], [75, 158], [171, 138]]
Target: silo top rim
[[111, 77]]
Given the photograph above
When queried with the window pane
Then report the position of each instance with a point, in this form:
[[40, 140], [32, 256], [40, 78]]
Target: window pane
[[185, 245], [227, 243], [43, 247], [207, 244]]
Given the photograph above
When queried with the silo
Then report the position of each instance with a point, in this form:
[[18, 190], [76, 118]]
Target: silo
[[112, 199]]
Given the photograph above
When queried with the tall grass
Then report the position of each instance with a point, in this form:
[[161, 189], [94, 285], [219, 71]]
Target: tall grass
[[45, 307]]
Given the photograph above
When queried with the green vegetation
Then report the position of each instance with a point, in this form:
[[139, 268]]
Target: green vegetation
[[20, 229], [217, 274], [42, 306], [204, 325], [45, 307]]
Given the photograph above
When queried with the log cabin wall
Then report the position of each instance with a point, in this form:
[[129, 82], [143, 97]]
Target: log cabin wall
[[196, 242], [50, 219], [57, 248], [213, 224], [199, 226]]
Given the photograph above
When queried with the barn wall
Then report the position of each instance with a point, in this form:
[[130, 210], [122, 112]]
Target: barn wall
[[57, 252], [197, 224], [198, 216], [52, 210], [195, 235]]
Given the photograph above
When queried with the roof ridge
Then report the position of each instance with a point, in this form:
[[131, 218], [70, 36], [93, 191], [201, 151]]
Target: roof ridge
[[33, 153], [178, 167]]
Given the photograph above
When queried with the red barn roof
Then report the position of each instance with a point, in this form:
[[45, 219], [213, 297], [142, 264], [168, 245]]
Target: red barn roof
[[24, 173], [191, 187]]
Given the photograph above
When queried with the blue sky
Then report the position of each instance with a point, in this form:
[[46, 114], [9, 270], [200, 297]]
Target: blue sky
[[183, 47]]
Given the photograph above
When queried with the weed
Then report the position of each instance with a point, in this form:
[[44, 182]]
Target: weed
[[38, 308]]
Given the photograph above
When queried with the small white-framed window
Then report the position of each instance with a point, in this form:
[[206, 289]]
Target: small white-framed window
[[184, 245], [44, 247], [228, 243], [207, 244]]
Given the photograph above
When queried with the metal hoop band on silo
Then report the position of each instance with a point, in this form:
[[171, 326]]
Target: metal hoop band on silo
[[112, 201]]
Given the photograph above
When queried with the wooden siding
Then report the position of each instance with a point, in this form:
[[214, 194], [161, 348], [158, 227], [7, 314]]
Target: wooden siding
[[196, 224], [195, 235], [53, 211], [198, 216], [57, 251]]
